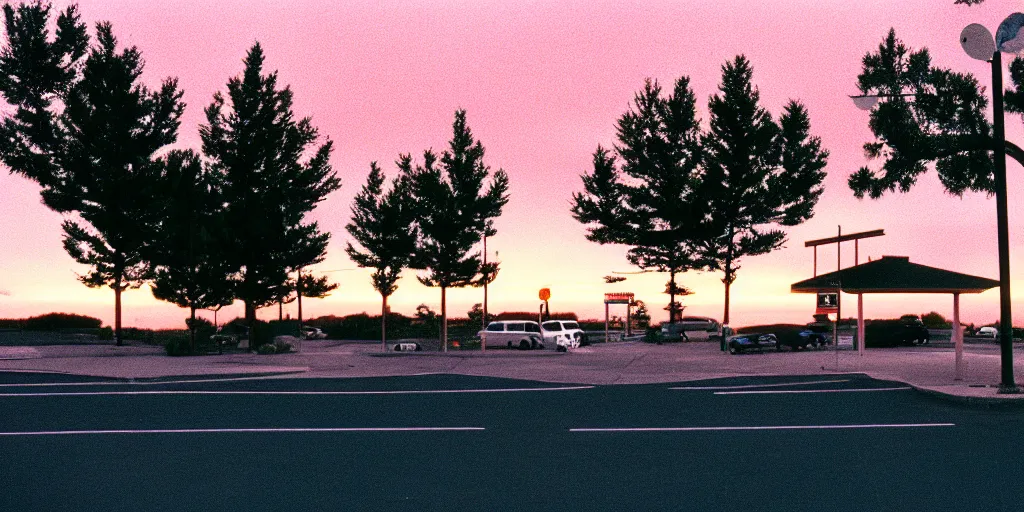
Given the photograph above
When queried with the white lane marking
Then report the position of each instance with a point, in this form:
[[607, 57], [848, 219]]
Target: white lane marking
[[142, 383], [408, 392], [767, 427], [790, 391], [710, 388], [230, 430]]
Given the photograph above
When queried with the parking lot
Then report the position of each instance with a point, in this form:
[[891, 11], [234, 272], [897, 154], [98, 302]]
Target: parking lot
[[445, 442]]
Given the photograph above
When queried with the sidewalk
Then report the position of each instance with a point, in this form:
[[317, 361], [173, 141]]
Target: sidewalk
[[930, 369]]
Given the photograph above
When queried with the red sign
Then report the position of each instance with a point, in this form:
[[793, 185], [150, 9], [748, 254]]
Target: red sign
[[828, 302], [545, 293], [618, 298]]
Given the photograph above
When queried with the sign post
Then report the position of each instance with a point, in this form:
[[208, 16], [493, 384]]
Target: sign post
[[616, 298]]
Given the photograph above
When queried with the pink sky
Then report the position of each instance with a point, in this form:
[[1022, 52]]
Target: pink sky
[[544, 83]]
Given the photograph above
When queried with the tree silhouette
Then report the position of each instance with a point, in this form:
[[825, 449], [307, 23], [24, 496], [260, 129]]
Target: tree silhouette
[[96, 167], [383, 224], [453, 212], [757, 173], [925, 115], [257, 149], [190, 269], [649, 204]]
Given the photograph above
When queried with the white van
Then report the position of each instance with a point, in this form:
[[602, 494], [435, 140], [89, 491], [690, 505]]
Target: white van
[[526, 334], [521, 334]]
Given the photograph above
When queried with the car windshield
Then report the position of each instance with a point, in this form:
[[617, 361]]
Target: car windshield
[[570, 325], [552, 326]]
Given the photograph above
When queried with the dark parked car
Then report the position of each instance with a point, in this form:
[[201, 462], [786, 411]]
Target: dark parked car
[[816, 335], [752, 341], [890, 333]]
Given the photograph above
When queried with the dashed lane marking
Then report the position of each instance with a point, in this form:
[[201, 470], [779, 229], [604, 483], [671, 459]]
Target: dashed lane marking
[[233, 430], [794, 391], [403, 392], [746, 386], [765, 427]]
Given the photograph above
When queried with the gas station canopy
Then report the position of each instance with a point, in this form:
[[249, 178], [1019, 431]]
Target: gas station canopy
[[894, 274]]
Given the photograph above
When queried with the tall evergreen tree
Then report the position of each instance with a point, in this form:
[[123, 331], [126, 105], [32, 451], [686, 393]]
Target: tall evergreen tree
[[95, 166], [257, 150], [384, 225], [190, 269], [758, 173], [453, 211], [650, 205]]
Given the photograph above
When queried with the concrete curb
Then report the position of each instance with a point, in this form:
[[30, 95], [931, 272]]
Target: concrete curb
[[475, 354], [977, 401]]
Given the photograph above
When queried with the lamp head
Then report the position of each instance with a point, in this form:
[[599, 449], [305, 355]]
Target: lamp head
[[864, 102], [977, 41], [1009, 36]]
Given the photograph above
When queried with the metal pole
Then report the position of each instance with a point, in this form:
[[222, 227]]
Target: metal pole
[[999, 153], [815, 261], [958, 338], [606, 322], [483, 321], [839, 293]]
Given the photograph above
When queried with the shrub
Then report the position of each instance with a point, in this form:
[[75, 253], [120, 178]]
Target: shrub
[[105, 333], [281, 347], [266, 349], [177, 346], [52, 321], [652, 335]]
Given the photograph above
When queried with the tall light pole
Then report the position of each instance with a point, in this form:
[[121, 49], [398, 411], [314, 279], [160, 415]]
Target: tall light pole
[[979, 44], [977, 41]]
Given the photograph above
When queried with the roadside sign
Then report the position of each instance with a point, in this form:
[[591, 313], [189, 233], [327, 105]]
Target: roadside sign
[[828, 302], [545, 293], [618, 298]]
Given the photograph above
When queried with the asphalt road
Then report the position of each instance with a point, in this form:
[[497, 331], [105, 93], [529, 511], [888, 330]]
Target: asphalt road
[[450, 442]]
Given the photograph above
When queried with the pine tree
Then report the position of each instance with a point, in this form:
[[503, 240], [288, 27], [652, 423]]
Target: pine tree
[[758, 173], [453, 211], [383, 224], [87, 131], [257, 150], [649, 204], [191, 270]]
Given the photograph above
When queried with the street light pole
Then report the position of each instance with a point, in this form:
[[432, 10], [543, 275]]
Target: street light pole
[[1007, 384]]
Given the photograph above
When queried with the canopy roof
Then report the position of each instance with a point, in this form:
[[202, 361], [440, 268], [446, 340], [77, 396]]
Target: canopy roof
[[895, 274]]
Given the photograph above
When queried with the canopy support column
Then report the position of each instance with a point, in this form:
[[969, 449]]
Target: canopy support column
[[958, 338], [860, 324]]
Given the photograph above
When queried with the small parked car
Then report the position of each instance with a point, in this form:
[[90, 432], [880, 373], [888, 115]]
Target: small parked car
[[313, 333], [987, 332], [521, 334], [890, 333], [816, 335], [752, 341], [562, 334], [697, 328]]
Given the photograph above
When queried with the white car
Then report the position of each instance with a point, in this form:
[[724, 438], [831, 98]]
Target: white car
[[563, 334], [313, 333], [987, 332], [521, 334]]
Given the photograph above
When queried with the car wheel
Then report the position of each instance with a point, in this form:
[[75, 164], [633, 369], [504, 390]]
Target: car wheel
[[524, 345], [510, 345], [533, 344], [561, 348]]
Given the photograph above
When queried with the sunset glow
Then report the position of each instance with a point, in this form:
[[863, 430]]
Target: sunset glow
[[543, 84]]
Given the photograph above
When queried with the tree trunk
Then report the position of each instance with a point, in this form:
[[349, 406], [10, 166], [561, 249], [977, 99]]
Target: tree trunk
[[672, 297], [192, 332], [280, 310], [298, 294], [444, 321], [725, 316], [384, 323], [250, 320], [117, 313]]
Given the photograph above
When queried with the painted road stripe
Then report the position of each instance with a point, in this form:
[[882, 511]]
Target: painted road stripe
[[767, 427], [141, 383], [232, 430], [408, 392], [791, 391], [784, 384]]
